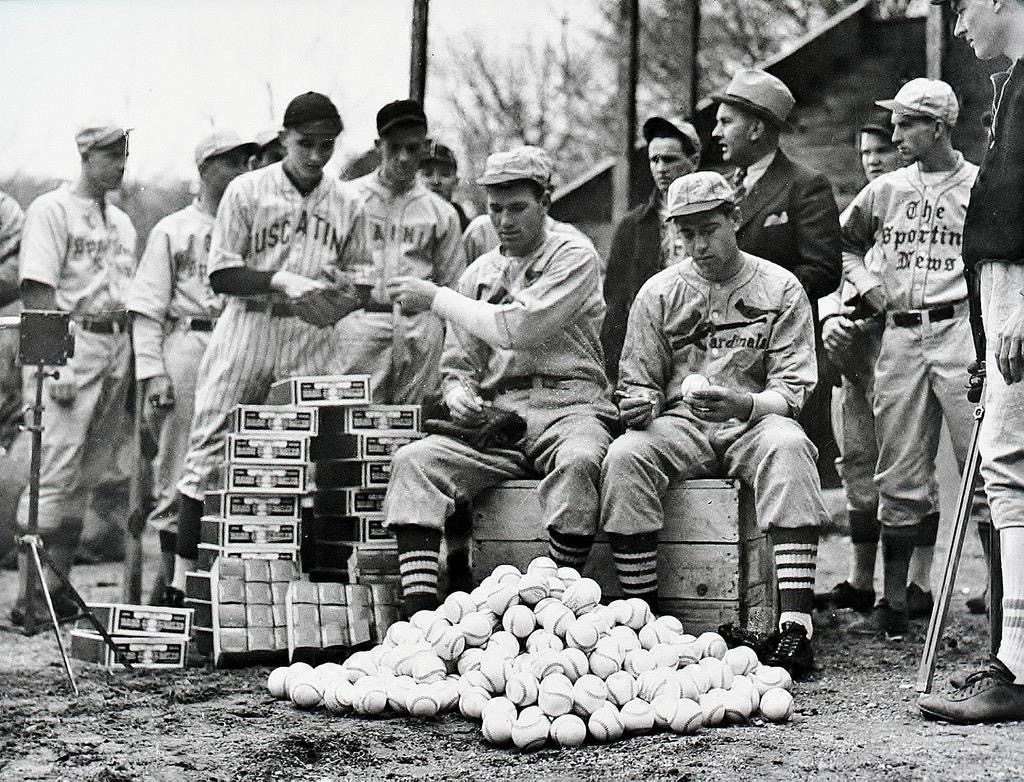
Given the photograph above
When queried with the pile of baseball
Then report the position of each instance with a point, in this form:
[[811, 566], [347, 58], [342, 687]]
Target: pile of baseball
[[536, 657]]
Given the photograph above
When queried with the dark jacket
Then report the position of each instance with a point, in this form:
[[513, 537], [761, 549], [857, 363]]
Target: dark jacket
[[634, 258], [994, 226], [790, 217]]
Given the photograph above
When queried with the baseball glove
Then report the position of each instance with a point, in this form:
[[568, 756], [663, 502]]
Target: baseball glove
[[327, 306], [497, 429]]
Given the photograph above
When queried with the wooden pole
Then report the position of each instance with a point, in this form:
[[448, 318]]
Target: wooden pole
[[418, 58], [629, 18], [935, 41]]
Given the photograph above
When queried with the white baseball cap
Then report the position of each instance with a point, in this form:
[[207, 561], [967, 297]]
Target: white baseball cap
[[929, 97], [220, 141], [700, 191]]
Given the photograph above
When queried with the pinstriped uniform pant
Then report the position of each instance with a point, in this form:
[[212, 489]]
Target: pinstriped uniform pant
[[248, 351]]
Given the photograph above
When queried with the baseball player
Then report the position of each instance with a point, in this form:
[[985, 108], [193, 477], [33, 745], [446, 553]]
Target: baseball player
[[174, 312], [282, 234], [410, 230], [523, 335], [911, 220], [11, 221], [745, 325], [851, 331], [78, 255], [439, 172], [993, 254], [268, 149]]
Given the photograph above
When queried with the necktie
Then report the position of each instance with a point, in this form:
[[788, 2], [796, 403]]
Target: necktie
[[737, 183]]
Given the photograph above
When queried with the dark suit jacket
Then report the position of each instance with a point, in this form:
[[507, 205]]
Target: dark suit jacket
[[634, 258], [802, 232]]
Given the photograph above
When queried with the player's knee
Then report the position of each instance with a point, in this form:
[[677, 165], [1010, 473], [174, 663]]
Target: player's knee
[[623, 457]]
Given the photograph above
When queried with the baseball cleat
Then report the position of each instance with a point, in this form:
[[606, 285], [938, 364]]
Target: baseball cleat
[[791, 649], [987, 695], [919, 602]]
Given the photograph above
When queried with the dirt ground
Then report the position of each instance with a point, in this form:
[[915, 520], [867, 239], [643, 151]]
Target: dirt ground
[[855, 720]]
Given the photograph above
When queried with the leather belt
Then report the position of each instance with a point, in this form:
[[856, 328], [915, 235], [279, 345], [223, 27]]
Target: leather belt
[[527, 382], [374, 306], [930, 315], [277, 309], [196, 324], [114, 323]]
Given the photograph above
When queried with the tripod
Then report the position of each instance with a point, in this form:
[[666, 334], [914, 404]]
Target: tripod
[[45, 339]]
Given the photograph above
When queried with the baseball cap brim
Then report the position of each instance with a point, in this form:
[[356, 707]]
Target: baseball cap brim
[[504, 179], [896, 106], [406, 120], [251, 148], [696, 208]]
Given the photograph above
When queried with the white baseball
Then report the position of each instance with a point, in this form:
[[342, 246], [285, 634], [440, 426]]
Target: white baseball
[[569, 575], [499, 705], [338, 696], [687, 687], [476, 627], [422, 701], [621, 688], [664, 710], [359, 665], [556, 588], [777, 705], [472, 679], [638, 614], [746, 686], [533, 587], [402, 633], [688, 717], [605, 724], [638, 661], [469, 661], [653, 684], [693, 382], [544, 566], [737, 706], [574, 663], [472, 702], [520, 621], [494, 667], [689, 653], [637, 716], [582, 635], [581, 596], [650, 635], [557, 619], [767, 677], [568, 731], [714, 645], [719, 674], [505, 643], [427, 668], [700, 677], [671, 623], [502, 598], [295, 672], [530, 730], [522, 688], [555, 697], [665, 656], [422, 620], [507, 574], [369, 696], [497, 728], [626, 637], [742, 660], [589, 693], [449, 643], [543, 641], [397, 689], [546, 663], [275, 682], [456, 606], [307, 692], [713, 706]]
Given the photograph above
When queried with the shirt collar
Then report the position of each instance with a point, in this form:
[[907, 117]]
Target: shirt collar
[[756, 170]]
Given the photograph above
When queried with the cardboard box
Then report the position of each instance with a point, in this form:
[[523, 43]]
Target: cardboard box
[[341, 474], [197, 586], [382, 419], [321, 390], [122, 619], [282, 571], [249, 532], [360, 447], [261, 419], [264, 478], [209, 554], [230, 505], [272, 448], [142, 651], [349, 502], [256, 570]]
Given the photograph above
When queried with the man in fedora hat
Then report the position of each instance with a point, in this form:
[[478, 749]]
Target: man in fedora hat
[[788, 213], [644, 243]]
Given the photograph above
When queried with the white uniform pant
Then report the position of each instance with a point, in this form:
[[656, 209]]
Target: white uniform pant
[[248, 351], [858, 450], [402, 356], [1002, 431], [565, 444], [773, 455], [920, 381], [80, 439], [183, 354]]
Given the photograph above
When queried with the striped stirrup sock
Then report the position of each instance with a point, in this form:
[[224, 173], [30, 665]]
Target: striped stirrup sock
[[796, 556], [569, 550], [636, 563], [419, 555]]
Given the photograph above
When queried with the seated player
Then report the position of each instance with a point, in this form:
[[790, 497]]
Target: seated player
[[523, 335], [745, 325]]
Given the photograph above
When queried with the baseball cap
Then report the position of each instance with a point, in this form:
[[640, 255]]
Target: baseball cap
[[220, 141], [879, 122], [661, 127], [312, 107], [400, 112], [930, 97], [760, 93], [267, 136], [97, 134], [439, 153], [698, 192], [526, 162]]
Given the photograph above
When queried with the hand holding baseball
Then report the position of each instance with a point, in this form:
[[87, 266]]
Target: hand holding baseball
[[464, 404], [636, 412], [718, 404], [414, 294], [295, 286]]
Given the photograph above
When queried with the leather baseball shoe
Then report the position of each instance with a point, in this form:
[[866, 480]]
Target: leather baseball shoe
[[988, 695]]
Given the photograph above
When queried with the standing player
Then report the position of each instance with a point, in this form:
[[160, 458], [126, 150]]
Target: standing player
[[745, 325], [174, 312], [78, 256], [644, 242], [410, 231], [912, 222], [523, 333], [282, 234], [851, 330], [439, 171], [994, 257]]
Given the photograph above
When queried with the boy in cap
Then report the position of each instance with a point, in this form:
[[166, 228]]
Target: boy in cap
[[522, 336], [174, 312], [439, 171], [911, 221], [993, 254], [644, 242], [410, 230], [745, 325], [78, 255], [283, 234]]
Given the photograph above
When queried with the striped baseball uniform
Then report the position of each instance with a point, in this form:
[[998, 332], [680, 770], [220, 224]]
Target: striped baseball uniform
[[912, 222], [264, 223], [87, 254], [481, 236], [411, 233], [172, 287]]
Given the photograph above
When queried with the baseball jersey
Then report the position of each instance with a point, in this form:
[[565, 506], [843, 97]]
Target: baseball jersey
[[753, 333], [912, 221], [172, 281], [481, 236], [856, 280], [264, 223], [415, 233], [552, 310], [85, 254]]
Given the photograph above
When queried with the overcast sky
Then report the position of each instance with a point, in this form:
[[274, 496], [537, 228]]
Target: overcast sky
[[172, 68]]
